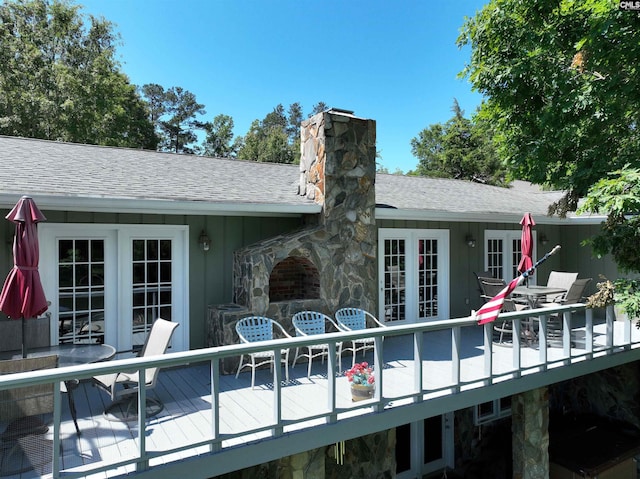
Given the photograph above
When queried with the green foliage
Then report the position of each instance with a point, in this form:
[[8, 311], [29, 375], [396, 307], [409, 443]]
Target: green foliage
[[276, 138], [59, 79], [173, 113], [459, 149], [219, 141], [617, 196], [562, 86]]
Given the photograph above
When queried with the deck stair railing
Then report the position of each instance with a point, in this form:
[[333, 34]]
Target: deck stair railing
[[596, 340]]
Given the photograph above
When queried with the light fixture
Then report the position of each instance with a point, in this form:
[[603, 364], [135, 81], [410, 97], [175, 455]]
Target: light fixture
[[204, 241], [470, 240], [543, 239]]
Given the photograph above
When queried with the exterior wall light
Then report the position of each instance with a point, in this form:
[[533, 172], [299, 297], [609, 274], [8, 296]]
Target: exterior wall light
[[543, 239], [471, 241], [204, 241]]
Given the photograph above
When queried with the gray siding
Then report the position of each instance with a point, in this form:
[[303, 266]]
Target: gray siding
[[210, 273]]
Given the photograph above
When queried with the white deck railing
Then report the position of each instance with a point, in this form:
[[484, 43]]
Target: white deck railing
[[596, 340]]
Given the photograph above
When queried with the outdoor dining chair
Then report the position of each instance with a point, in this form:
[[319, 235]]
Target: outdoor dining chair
[[490, 287], [23, 442], [355, 319], [124, 386], [574, 295], [559, 279], [259, 328], [308, 323]]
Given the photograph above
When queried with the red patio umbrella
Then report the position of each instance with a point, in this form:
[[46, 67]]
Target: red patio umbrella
[[22, 294], [526, 247]]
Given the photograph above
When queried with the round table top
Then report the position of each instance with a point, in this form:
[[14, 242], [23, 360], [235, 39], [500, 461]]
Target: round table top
[[68, 354]]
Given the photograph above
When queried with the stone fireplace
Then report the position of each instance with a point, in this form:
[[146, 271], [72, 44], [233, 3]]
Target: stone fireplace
[[329, 264]]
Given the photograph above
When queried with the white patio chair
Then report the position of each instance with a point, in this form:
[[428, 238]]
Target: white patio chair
[[308, 323], [259, 328], [124, 386], [355, 319]]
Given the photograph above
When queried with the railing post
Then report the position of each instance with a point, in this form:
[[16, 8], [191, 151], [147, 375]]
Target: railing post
[[277, 392], [543, 332], [455, 356], [418, 339], [488, 353], [331, 382], [215, 405], [143, 463], [378, 359], [609, 328], [516, 340], [566, 336], [588, 338], [57, 414]]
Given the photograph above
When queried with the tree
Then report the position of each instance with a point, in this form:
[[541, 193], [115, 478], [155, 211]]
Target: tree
[[562, 87], [59, 79], [178, 130], [618, 195], [219, 140], [458, 149]]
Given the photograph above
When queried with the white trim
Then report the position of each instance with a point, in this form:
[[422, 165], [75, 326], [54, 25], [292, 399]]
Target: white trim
[[118, 274], [481, 217], [148, 206], [411, 237]]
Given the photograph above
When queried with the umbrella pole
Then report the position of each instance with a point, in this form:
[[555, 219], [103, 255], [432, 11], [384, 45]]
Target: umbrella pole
[[24, 339]]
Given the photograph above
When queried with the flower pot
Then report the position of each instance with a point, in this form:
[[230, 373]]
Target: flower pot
[[360, 392]]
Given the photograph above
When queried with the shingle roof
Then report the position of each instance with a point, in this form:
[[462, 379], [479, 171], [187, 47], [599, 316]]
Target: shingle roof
[[69, 171]]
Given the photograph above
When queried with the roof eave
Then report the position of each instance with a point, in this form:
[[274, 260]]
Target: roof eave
[[172, 207], [383, 213]]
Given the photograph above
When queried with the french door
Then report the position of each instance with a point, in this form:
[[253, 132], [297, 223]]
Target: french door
[[108, 283], [503, 249], [413, 274], [424, 447]]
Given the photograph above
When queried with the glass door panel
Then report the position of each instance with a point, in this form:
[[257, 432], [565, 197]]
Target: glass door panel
[[152, 285], [81, 291], [394, 280], [427, 278]]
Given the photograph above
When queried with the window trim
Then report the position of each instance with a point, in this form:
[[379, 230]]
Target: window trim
[[118, 273], [411, 237]]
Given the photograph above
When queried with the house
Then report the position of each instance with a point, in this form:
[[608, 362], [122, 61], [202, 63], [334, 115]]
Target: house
[[132, 235]]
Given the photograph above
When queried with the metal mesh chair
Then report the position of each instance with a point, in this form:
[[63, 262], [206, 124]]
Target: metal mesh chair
[[123, 386], [355, 319], [308, 323], [259, 328], [24, 446]]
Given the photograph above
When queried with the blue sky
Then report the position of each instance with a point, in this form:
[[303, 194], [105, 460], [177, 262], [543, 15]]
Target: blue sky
[[394, 62]]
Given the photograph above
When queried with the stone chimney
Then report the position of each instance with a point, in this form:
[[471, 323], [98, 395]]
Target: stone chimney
[[336, 259]]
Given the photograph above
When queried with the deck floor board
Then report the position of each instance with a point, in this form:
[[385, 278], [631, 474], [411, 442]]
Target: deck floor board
[[186, 395]]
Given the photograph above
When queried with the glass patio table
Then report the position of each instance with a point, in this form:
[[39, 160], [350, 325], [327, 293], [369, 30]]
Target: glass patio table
[[68, 354], [533, 293]]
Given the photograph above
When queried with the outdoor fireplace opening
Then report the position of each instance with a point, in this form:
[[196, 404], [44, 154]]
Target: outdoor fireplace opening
[[294, 278]]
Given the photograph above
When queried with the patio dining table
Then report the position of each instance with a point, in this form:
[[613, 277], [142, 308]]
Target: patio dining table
[[68, 354], [533, 293]]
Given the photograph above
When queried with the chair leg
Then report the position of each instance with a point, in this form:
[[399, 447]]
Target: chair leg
[[239, 366], [70, 385], [310, 351]]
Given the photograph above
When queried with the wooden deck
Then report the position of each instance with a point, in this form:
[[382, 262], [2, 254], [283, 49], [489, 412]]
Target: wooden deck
[[452, 365]]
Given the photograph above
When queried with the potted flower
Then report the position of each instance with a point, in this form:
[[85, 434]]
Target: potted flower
[[362, 381]]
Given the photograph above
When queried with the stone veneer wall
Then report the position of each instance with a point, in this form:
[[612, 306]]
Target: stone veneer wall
[[371, 457], [337, 170]]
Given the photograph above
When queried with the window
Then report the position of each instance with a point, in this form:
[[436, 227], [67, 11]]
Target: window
[[502, 252], [108, 283], [414, 274], [492, 410]]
